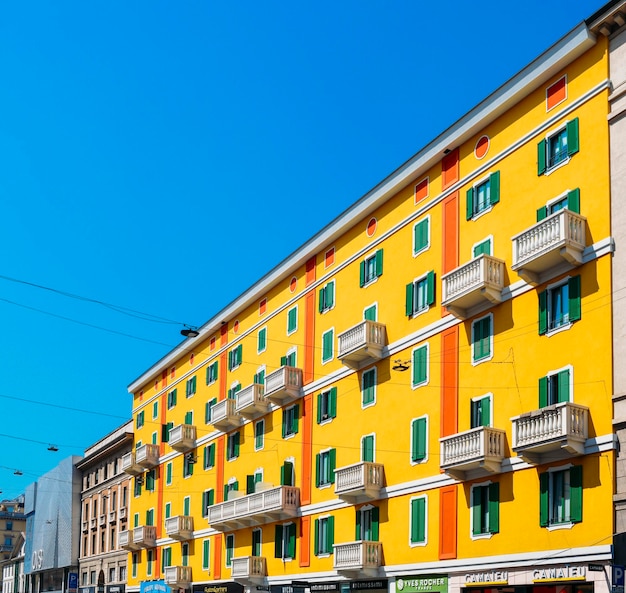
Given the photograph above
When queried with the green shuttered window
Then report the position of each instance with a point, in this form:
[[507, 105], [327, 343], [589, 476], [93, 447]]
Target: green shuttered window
[[561, 496], [481, 338], [418, 520], [559, 305], [327, 297], [421, 236], [558, 147], [328, 339], [419, 439], [482, 196], [324, 532], [420, 294], [486, 509], [327, 405], [420, 366], [371, 268]]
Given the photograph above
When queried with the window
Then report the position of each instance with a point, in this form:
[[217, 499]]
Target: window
[[482, 339], [232, 392], [206, 557], [259, 377], [325, 467], [230, 549], [290, 421], [571, 201], [208, 407], [328, 339], [292, 320], [367, 524], [483, 247], [421, 236], [559, 305], [252, 480], [420, 366], [419, 433], [234, 357], [256, 542], [171, 399], [189, 417], [367, 448], [485, 509], [561, 496], [327, 405], [327, 297], [208, 499], [188, 463], [480, 411], [418, 521], [259, 435], [231, 486], [261, 340], [155, 410], [287, 474], [232, 446], [285, 541], [324, 530], [554, 388], [168, 473], [482, 196], [138, 483], [420, 294], [211, 373], [168, 510], [371, 268], [134, 561], [150, 517], [290, 359], [150, 561], [140, 419], [165, 431], [368, 387], [371, 313], [150, 480], [558, 147], [190, 388]]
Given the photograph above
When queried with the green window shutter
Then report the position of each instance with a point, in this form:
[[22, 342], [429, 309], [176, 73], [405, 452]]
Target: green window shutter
[[237, 436], [318, 469], [420, 365], [225, 492], [189, 418], [230, 360], [332, 454], [469, 203], [576, 493], [541, 157], [316, 534], [418, 520], [291, 548], [330, 295], [211, 497], [494, 507], [256, 379], [239, 351], [283, 361], [321, 305], [287, 474], [574, 298], [477, 510], [168, 473], [494, 187], [362, 274], [484, 247], [332, 401], [573, 201], [278, 541], [408, 304], [186, 506], [284, 424], [261, 341], [250, 484], [563, 381], [174, 396], [367, 448], [330, 533], [543, 312], [420, 236], [418, 437], [543, 392], [205, 554], [295, 418], [319, 408], [212, 454], [485, 411], [379, 263], [370, 313], [573, 144], [375, 514], [544, 485], [205, 457], [207, 413], [327, 345], [357, 536], [193, 383], [542, 213], [430, 288]]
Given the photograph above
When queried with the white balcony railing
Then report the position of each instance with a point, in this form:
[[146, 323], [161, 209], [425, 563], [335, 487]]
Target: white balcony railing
[[283, 384], [147, 456], [363, 479], [179, 527], [248, 568], [179, 576], [182, 437], [224, 416], [125, 541], [145, 536], [481, 447], [362, 344], [250, 401], [363, 557], [130, 465]]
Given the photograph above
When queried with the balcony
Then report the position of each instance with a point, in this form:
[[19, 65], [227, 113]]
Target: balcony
[[480, 448], [93, 523], [362, 557], [112, 516], [557, 239], [362, 344], [224, 416], [147, 456], [560, 428], [102, 520], [475, 283], [130, 465], [267, 506], [359, 482], [183, 437], [145, 536], [122, 513], [250, 402], [125, 541], [178, 576], [283, 385], [179, 527], [249, 569], [85, 525]]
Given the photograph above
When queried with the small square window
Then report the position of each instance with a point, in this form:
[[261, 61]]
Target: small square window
[[371, 268], [482, 196], [420, 294]]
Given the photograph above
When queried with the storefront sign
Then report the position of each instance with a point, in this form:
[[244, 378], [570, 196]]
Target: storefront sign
[[287, 588], [86, 590], [430, 583], [115, 588], [360, 585], [559, 573], [495, 577], [219, 588], [323, 587]]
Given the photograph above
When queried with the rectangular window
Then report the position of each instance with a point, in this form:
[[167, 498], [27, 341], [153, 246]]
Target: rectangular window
[[481, 339], [482, 196], [189, 417], [211, 373], [168, 510], [206, 556], [367, 524], [571, 201], [419, 439], [208, 499], [165, 431], [190, 387], [420, 366], [140, 419], [485, 509], [559, 305], [558, 147], [150, 480], [155, 410], [480, 412], [232, 486], [418, 521], [208, 407], [235, 357], [259, 435], [482, 248], [420, 294], [135, 559], [256, 542], [324, 530], [290, 359], [188, 463], [367, 448], [554, 388], [261, 340], [285, 541], [368, 387], [232, 392], [150, 562], [232, 446], [290, 421], [371, 313], [166, 558], [171, 399], [168, 473], [287, 474], [561, 496], [327, 405], [327, 297], [292, 320], [325, 467], [328, 340], [209, 456], [421, 236], [230, 549], [371, 268]]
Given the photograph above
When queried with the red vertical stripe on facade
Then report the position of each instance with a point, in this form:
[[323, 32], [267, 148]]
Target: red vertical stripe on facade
[[449, 381], [305, 541], [447, 522]]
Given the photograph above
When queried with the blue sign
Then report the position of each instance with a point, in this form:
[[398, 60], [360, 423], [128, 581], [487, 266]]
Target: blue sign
[[154, 587], [72, 582], [618, 575]]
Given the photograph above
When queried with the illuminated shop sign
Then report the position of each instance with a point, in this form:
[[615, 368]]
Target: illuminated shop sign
[[494, 577], [430, 583], [559, 573]]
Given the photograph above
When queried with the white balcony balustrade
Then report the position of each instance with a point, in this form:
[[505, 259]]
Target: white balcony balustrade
[[363, 557], [224, 416], [362, 344], [249, 569], [130, 465], [147, 456], [178, 576], [283, 385], [179, 527], [145, 536], [360, 481], [250, 401], [182, 437], [481, 448]]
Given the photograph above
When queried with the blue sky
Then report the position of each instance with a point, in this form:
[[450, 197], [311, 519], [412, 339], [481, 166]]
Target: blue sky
[[163, 156]]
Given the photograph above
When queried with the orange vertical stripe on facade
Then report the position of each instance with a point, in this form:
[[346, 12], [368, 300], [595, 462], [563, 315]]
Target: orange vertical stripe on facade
[[310, 271], [447, 522], [217, 556], [449, 381], [450, 251], [219, 469], [450, 169], [223, 367], [309, 325], [305, 541], [307, 449]]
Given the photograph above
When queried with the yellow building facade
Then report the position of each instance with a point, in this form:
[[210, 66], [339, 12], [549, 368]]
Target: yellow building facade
[[419, 398]]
